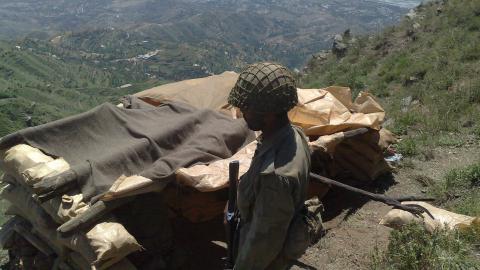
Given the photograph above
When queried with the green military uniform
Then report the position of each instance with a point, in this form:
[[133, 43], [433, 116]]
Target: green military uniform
[[270, 195]]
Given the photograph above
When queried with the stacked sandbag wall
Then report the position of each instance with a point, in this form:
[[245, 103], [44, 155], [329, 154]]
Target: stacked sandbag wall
[[358, 160], [104, 246]]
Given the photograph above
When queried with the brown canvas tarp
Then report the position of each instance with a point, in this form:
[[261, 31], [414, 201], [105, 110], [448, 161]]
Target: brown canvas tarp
[[207, 93], [153, 142]]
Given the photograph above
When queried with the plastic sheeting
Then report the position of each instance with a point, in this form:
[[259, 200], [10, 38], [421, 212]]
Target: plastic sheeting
[[330, 110]]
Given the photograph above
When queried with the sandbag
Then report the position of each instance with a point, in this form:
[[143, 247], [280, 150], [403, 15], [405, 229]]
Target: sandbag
[[35, 174], [194, 205], [104, 245], [29, 209], [360, 159], [396, 218], [81, 264], [59, 209], [214, 176], [71, 206], [7, 233], [111, 242], [5, 178], [31, 165], [22, 157]]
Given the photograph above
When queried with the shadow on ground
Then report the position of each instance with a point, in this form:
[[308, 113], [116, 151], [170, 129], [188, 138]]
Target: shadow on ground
[[338, 200]]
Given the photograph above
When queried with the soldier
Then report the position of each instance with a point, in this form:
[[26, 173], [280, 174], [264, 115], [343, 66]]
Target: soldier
[[271, 194]]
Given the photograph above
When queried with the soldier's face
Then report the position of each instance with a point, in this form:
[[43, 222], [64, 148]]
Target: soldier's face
[[255, 120]]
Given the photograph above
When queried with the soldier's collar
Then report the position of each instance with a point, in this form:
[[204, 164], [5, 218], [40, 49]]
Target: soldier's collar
[[263, 145]]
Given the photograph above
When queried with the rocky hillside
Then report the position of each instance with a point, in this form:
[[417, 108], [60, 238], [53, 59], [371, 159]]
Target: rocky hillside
[[425, 70], [425, 73]]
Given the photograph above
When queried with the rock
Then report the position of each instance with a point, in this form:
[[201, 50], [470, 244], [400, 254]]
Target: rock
[[28, 121], [415, 102], [406, 101], [439, 10], [341, 42], [468, 124], [338, 38], [389, 122], [321, 56], [410, 80], [339, 48], [410, 32], [412, 14]]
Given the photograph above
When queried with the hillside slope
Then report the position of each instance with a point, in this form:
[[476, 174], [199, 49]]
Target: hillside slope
[[425, 70], [37, 86]]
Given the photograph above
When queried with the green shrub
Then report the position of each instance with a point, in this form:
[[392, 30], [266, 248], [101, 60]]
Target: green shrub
[[408, 147], [473, 92], [471, 52], [449, 140], [413, 248], [464, 177], [404, 121], [460, 190]]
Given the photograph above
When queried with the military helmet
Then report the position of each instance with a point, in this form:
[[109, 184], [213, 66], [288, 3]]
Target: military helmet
[[265, 87]]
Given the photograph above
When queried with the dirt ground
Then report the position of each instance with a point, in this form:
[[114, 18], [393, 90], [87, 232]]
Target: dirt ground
[[352, 222]]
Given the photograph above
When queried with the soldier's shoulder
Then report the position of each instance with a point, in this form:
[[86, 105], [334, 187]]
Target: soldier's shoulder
[[290, 155]]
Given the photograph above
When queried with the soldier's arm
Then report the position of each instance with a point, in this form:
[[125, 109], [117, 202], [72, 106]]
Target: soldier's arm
[[274, 209]]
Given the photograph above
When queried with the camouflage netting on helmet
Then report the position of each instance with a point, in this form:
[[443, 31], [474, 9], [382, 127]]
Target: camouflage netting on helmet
[[265, 87]]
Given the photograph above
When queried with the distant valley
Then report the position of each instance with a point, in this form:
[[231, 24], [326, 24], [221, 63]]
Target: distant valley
[[61, 57], [196, 36]]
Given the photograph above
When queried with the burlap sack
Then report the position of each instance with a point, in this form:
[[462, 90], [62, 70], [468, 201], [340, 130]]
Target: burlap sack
[[443, 218], [111, 242], [80, 263], [71, 206], [35, 174], [59, 209], [104, 245], [397, 218], [29, 209], [27, 165], [7, 233], [22, 157]]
